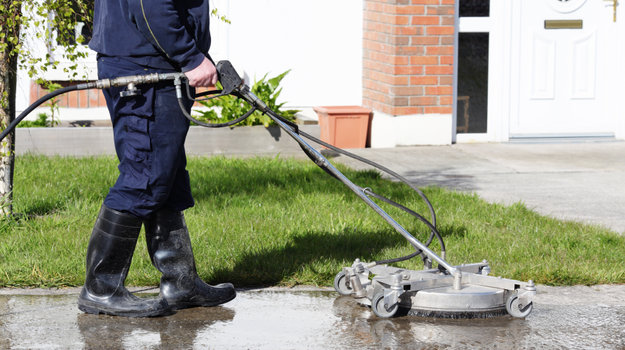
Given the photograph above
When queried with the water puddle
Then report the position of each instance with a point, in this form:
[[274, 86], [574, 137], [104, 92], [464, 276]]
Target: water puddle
[[302, 319]]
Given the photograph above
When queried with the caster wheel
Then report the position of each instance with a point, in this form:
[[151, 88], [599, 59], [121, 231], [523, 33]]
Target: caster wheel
[[341, 284], [516, 309], [378, 307]]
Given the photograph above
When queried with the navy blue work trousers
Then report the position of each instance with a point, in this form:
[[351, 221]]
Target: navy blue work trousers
[[149, 132]]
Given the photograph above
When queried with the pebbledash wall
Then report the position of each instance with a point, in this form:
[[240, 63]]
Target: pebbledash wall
[[408, 70], [393, 56], [320, 43]]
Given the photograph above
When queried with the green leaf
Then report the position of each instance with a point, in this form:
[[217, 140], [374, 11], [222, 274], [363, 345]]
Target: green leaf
[[232, 108], [274, 82]]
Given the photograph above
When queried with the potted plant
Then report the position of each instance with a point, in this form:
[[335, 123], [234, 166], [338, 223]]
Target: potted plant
[[344, 126]]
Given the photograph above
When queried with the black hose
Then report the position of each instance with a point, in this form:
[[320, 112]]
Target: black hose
[[295, 129], [378, 166], [364, 160], [431, 225], [213, 125], [202, 94], [413, 213], [403, 258], [36, 104]]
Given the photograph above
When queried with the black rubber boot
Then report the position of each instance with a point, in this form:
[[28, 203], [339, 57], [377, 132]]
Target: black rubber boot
[[109, 255], [170, 249]]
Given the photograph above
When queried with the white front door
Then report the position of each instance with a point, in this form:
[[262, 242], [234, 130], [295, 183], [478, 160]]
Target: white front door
[[565, 81]]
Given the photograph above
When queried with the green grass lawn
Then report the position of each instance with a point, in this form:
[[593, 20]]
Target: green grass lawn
[[274, 221]]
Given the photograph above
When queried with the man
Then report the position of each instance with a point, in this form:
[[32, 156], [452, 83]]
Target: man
[[140, 37]]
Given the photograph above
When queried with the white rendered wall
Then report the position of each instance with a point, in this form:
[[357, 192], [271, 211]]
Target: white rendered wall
[[320, 41], [392, 131]]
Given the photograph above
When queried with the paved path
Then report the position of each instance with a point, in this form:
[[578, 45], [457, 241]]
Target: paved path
[[574, 181], [563, 318]]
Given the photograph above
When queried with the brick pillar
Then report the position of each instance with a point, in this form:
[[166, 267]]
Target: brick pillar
[[408, 57]]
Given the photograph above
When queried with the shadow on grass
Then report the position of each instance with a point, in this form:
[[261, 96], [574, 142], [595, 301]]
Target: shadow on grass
[[39, 208], [318, 254], [453, 231]]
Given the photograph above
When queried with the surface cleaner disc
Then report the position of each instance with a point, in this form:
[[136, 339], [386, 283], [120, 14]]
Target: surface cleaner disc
[[468, 302]]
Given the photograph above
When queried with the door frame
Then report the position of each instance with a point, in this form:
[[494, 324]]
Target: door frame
[[504, 27], [499, 66]]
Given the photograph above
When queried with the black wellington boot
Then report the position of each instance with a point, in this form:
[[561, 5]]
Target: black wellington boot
[[170, 249], [109, 255]]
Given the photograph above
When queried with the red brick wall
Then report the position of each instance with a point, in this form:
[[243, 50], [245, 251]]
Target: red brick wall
[[74, 99], [408, 56]]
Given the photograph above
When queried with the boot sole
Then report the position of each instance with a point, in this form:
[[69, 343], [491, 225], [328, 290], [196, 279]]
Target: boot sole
[[190, 304], [97, 310]]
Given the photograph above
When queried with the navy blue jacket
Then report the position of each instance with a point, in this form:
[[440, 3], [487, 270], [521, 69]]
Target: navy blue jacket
[[157, 33]]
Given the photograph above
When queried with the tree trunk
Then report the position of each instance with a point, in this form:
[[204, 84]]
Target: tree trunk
[[8, 81]]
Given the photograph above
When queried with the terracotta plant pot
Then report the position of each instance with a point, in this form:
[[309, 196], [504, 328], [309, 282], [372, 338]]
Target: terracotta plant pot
[[344, 126]]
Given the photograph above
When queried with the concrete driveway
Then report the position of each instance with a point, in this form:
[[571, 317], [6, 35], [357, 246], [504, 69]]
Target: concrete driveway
[[572, 181]]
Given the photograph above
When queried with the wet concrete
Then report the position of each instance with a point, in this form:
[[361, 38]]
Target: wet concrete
[[569, 317]]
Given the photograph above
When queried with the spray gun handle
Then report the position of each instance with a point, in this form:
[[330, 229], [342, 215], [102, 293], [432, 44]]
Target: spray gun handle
[[233, 84], [228, 76]]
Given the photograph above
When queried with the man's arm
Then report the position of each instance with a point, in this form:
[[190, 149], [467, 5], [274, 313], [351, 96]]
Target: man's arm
[[160, 23]]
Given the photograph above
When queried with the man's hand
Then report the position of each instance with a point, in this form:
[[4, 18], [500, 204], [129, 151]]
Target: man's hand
[[204, 75]]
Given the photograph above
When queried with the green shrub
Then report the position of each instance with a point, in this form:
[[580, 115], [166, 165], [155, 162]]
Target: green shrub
[[41, 122], [230, 107]]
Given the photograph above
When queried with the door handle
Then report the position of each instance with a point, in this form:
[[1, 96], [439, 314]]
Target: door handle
[[614, 7]]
